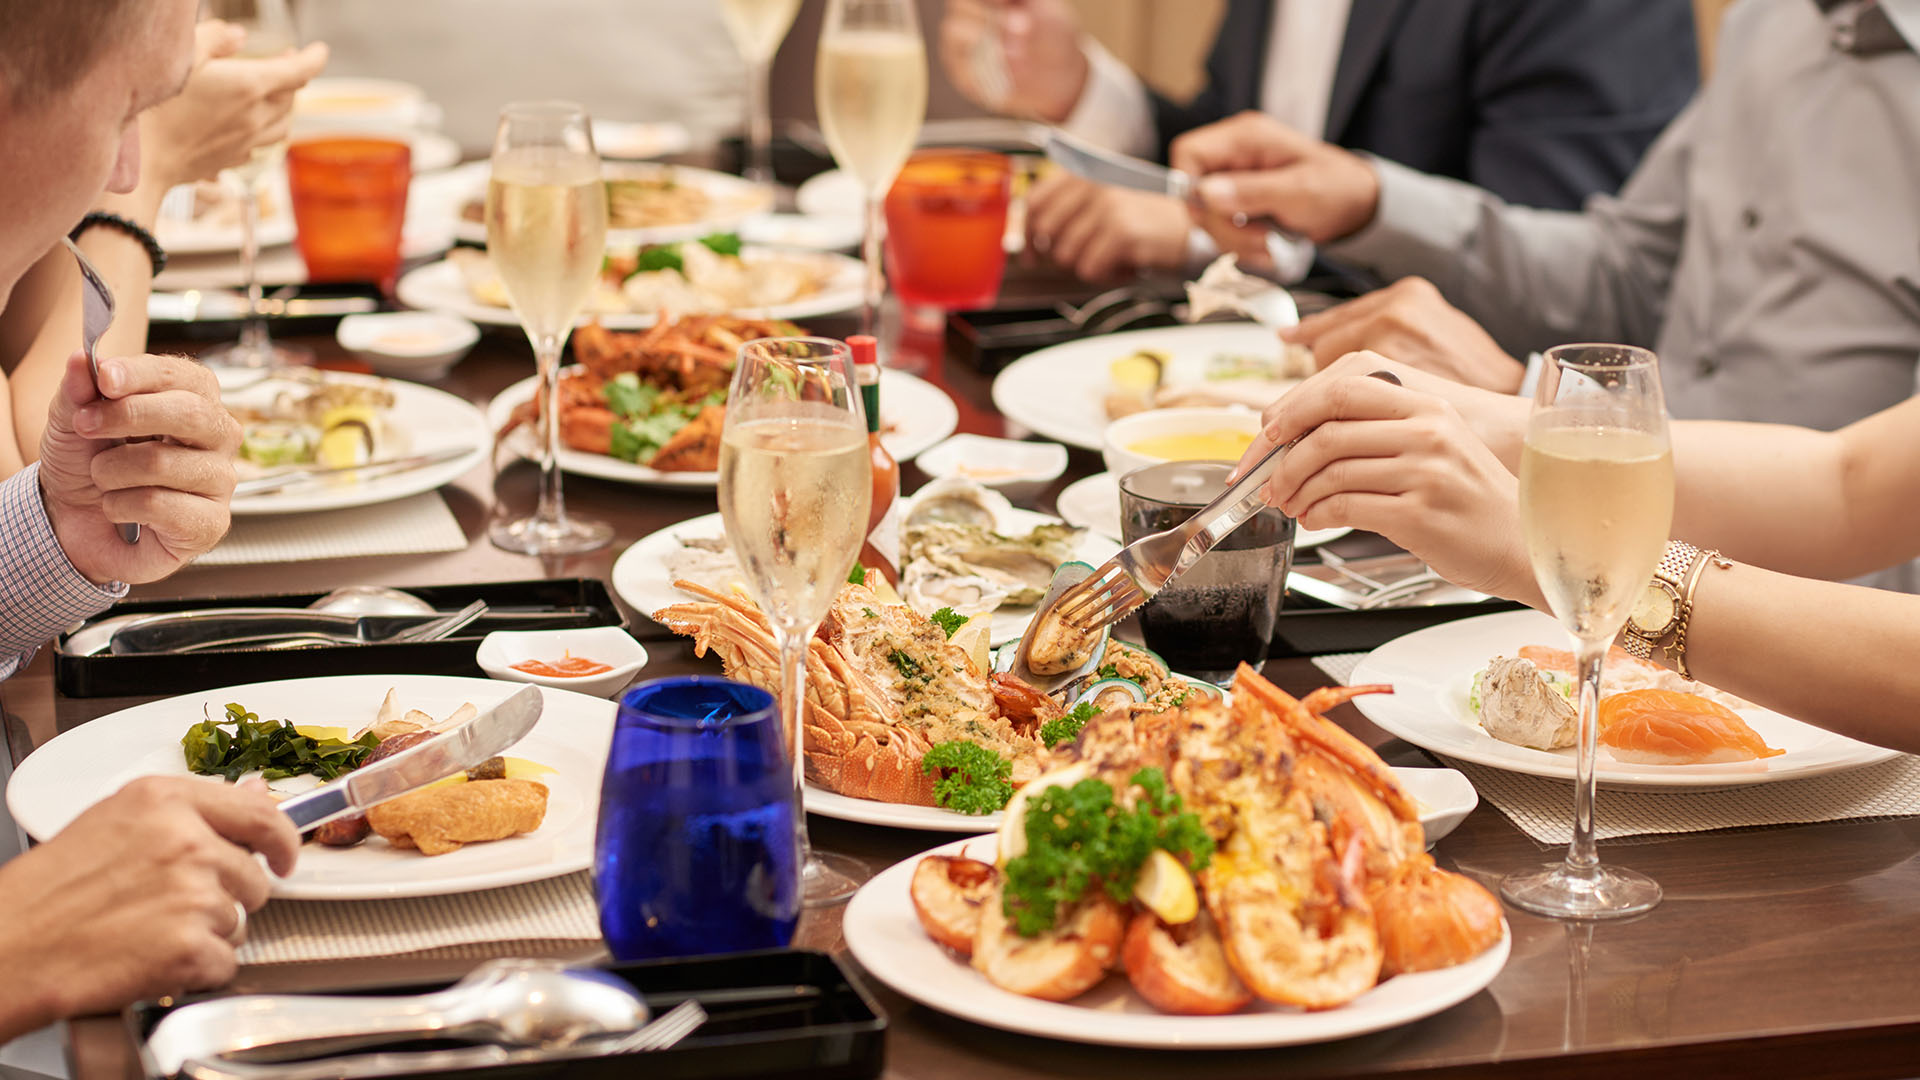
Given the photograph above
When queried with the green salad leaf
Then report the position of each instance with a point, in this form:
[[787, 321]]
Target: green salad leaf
[[272, 747], [722, 243], [973, 779], [663, 257]]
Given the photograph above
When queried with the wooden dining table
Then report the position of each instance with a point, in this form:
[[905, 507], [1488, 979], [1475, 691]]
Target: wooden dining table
[[1791, 951]]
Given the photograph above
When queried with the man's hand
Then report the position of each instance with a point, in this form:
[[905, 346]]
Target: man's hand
[[1099, 231], [1040, 40], [1410, 321], [177, 484], [1392, 460], [1252, 165], [229, 107], [136, 898]]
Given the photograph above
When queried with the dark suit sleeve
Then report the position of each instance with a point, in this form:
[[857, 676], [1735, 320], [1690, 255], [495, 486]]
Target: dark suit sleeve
[[1568, 94], [1233, 69]]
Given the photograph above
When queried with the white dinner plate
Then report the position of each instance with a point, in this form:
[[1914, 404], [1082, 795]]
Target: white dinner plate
[[206, 236], [1445, 798], [1094, 503], [641, 578], [1431, 672], [732, 200], [886, 938], [439, 286], [834, 193], [432, 420], [917, 415], [1061, 391], [85, 764]]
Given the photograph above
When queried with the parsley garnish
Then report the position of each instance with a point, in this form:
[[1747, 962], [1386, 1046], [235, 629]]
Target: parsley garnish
[[1107, 671], [858, 576], [950, 620], [973, 779], [271, 746], [871, 614], [1062, 728], [665, 257], [1078, 838], [907, 666], [722, 243]]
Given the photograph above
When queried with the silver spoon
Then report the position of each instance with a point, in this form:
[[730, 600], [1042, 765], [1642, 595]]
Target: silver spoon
[[532, 1003], [96, 314]]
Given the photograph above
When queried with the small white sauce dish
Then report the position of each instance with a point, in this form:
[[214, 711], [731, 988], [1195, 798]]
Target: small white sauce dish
[[419, 345], [502, 649], [1129, 431], [1009, 464]]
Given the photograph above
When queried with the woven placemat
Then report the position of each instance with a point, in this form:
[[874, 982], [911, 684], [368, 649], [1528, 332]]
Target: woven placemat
[[292, 931], [1542, 807], [417, 525]]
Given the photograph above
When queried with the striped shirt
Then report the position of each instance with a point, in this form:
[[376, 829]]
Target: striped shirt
[[41, 593]]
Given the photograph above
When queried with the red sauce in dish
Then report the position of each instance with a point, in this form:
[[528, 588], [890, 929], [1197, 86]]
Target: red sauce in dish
[[567, 667]]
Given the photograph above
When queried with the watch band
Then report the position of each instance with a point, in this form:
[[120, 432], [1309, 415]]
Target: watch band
[[1679, 571], [156, 254]]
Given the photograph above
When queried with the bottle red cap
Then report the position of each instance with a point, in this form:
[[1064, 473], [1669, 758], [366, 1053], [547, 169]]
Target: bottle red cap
[[866, 350]]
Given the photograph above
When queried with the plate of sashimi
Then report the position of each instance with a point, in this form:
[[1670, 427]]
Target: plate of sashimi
[[1500, 690]]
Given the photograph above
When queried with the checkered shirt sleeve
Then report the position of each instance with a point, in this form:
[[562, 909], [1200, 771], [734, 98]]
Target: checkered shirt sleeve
[[41, 593]]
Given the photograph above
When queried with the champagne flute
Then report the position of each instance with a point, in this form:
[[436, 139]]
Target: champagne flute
[[795, 488], [546, 236], [1596, 503], [758, 27], [270, 32], [870, 87]]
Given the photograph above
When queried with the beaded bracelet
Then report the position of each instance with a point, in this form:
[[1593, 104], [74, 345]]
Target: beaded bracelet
[[156, 254]]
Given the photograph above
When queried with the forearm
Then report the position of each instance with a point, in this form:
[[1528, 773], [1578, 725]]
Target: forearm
[[1532, 278], [43, 350], [1838, 656]]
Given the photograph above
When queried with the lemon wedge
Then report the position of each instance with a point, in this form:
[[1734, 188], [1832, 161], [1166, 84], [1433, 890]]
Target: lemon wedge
[[972, 638], [1165, 888], [1011, 840], [882, 589]]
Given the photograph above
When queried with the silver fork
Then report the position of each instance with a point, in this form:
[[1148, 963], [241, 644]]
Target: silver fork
[[96, 314], [1131, 578]]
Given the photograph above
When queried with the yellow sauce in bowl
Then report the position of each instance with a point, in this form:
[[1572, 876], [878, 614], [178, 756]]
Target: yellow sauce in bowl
[[1195, 446]]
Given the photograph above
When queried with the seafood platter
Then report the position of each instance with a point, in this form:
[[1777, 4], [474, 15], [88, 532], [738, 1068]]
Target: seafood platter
[[963, 546], [1227, 872], [1499, 690], [647, 406]]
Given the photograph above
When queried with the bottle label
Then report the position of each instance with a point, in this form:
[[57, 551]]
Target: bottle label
[[870, 399]]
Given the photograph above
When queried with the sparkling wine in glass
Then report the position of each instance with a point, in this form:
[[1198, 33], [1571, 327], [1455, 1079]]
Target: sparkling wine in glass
[[795, 488], [758, 27], [870, 88], [270, 32], [1596, 504], [546, 235]]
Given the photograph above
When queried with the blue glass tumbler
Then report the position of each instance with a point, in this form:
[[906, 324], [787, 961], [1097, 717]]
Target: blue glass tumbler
[[696, 850]]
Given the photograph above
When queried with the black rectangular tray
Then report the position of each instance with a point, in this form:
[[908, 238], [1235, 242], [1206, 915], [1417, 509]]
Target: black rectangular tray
[[106, 675], [829, 1029], [1309, 627]]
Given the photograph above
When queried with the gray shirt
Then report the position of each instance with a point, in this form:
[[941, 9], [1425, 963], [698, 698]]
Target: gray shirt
[[1767, 248]]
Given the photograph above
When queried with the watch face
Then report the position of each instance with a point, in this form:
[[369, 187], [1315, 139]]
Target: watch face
[[1654, 612]]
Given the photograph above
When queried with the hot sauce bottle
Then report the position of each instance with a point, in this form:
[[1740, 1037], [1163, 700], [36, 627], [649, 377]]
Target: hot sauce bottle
[[882, 550]]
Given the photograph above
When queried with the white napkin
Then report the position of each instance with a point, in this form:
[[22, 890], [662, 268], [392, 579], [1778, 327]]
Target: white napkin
[[291, 931], [1543, 807], [417, 525]]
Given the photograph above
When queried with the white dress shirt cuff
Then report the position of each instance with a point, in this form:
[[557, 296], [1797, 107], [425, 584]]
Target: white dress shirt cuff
[[1530, 381], [1114, 110], [1419, 226], [43, 594]]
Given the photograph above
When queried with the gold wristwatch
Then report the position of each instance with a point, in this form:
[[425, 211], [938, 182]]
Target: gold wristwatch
[[1659, 618]]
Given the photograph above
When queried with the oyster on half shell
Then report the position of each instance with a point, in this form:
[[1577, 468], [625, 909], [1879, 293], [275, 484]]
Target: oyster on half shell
[[955, 500], [1021, 565]]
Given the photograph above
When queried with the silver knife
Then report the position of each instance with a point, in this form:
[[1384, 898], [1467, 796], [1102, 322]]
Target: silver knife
[[1291, 253], [260, 485], [446, 754], [220, 305]]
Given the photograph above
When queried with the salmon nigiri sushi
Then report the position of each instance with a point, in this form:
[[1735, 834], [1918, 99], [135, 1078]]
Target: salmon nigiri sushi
[[1665, 727]]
